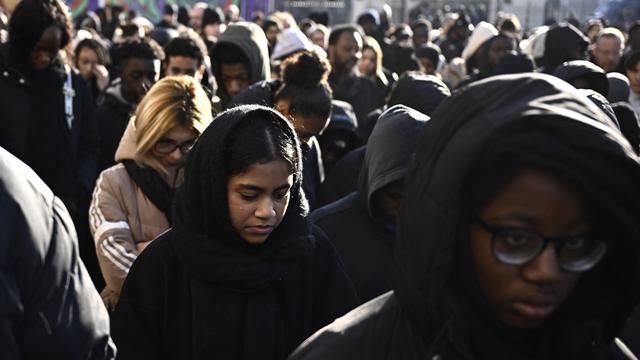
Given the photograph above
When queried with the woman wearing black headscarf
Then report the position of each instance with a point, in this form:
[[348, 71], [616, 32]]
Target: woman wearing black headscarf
[[518, 235], [242, 274]]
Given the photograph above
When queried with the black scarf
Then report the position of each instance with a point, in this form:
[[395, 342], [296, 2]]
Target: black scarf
[[214, 256], [152, 185]]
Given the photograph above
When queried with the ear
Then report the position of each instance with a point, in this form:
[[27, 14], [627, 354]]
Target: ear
[[200, 72], [283, 107]]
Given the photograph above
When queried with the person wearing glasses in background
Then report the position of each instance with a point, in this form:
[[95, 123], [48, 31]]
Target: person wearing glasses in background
[[131, 203], [518, 236]]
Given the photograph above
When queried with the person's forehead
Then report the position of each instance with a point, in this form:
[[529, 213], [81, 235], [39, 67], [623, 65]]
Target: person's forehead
[[140, 64], [87, 52], [233, 69], [608, 40], [182, 61], [348, 37]]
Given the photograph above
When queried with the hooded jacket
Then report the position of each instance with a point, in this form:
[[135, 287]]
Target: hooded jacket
[[49, 308], [559, 42], [386, 160], [435, 311], [250, 39], [122, 218], [34, 127], [581, 69], [201, 292]]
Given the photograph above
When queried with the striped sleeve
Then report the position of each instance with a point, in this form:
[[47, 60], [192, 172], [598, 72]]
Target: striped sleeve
[[112, 235]]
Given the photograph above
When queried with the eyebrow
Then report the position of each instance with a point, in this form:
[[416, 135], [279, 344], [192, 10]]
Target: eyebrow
[[532, 221], [257, 188]]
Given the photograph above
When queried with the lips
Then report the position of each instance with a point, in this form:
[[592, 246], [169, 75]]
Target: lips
[[535, 309], [259, 229]]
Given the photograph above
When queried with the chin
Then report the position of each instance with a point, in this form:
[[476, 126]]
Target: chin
[[255, 240]]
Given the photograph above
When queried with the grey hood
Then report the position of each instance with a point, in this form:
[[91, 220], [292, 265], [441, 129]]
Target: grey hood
[[250, 38], [389, 150]]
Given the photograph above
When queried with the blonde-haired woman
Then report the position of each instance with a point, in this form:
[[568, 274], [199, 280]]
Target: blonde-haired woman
[[370, 65], [131, 203]]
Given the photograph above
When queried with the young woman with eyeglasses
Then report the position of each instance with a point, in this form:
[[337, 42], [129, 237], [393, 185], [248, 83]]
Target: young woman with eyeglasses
[[518, 237], [131, 203]]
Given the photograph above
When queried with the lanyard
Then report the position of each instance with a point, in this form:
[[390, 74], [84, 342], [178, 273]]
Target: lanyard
[[69, 93]]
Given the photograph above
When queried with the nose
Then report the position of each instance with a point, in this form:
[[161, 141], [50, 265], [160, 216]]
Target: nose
[[234, 87], [265, 209], [146, 84], [176, 155], [544, 269], [357, 54]]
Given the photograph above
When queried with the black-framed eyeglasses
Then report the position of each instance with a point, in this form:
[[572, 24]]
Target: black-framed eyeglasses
[[513, 246], [166, 146]]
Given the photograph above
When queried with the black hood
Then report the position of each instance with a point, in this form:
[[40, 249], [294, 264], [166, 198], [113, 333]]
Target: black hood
[[389, 150], [582, 69], [418, 91], [541, 119], [513, 63], [629, 123], [560, 41], [205, 240], [619, 89]]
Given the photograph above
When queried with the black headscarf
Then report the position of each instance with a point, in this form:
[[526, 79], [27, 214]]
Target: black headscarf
[[542, 122], [206, 243]]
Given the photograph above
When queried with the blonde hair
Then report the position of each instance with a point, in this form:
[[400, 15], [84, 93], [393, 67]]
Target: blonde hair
[[371, 43], [172, 101]]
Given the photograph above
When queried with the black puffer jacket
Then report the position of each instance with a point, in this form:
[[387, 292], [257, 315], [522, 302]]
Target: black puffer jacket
[[34, 128], [387, 159], [49, 308], [435, 311]]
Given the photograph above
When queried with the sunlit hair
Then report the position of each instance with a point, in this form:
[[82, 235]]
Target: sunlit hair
[[370, 43], [612, 32], [172, 101]]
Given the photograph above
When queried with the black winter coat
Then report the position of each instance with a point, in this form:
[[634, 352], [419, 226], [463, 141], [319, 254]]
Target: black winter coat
[[49, 308], [387, 159], [201, 292], [343, 178], [33, 127], [358, 91], [437, 310]]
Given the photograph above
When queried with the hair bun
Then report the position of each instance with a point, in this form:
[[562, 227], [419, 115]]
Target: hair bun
[[305, 69]]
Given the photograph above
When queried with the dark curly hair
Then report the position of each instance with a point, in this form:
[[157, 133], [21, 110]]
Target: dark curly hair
[[305, 85]]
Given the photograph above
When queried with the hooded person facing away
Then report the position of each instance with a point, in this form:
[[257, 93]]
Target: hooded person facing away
[[239, 59], [242, 274], [512, 243], [372, 210]]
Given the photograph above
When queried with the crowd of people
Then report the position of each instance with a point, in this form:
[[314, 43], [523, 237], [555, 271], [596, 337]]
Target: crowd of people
[[277, 188]]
